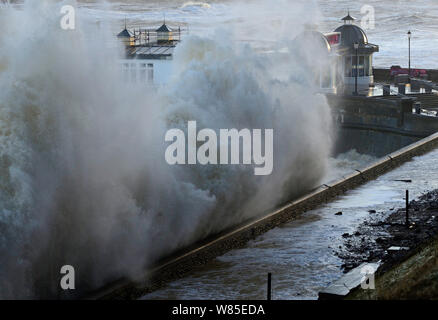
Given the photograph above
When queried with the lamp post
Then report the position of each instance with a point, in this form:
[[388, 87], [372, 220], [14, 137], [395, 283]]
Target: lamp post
[[356, 47], [409, 43]]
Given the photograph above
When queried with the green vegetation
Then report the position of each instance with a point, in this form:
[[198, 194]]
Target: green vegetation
[[414, 278]]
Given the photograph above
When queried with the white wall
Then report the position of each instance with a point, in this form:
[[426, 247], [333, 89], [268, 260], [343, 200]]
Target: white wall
[[160, 72]]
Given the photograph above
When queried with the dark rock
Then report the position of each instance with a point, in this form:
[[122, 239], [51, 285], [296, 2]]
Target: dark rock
[[338, 213], [380, 232], [398, 237]]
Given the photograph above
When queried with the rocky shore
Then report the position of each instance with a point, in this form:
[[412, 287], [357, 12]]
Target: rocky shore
[[387, 237]]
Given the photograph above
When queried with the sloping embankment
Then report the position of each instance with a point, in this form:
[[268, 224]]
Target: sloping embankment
[[415, 278], [180, 264], [403, 251]]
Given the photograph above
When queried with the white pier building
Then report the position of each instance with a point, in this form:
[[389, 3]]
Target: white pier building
[[148, 54]]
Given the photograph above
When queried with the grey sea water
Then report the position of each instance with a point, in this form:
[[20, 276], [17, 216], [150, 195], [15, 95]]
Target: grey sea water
[[83, 179], [301, 254], [392, 20]]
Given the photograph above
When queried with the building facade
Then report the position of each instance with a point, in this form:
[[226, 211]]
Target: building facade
[[318, 60], [148, 54], [340, 61], [336, 62], [356, 55]]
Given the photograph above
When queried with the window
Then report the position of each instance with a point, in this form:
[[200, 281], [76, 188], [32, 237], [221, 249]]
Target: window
[[326, 80], [125, 71], [140, 72], [150, 73], [370, 65], [143, 70], [133, 73], [361, 66], [347, 66], [367, 66]]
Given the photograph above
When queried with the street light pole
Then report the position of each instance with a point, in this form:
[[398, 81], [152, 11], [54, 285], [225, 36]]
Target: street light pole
[[356, 47], [409, 42]]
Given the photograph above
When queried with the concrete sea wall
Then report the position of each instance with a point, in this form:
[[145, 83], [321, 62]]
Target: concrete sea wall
[[377, 126], [383, 75], [181, 263], [414, 278]]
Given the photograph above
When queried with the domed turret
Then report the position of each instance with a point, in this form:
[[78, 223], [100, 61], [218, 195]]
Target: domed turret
[[127, 37], [351, 34], [164, 34], [348, 19], [356, 54], [314, 52], [310, 39]]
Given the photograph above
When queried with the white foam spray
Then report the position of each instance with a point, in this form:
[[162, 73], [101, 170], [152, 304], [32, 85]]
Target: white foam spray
[[83, 179]]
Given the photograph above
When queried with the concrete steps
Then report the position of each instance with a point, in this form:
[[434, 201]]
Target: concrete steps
[[352, 280]]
